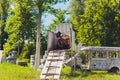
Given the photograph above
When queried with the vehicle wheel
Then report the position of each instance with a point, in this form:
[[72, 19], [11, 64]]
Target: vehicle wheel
[[77, 67], [88, 70], [114, 70]]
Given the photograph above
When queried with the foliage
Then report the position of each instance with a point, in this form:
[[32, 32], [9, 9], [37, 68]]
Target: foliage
[[98, 25], [76, 10], [4, 6], [28, 49], [43, 43], [15, 72], [111, 23], [20, 26], [60, 18]]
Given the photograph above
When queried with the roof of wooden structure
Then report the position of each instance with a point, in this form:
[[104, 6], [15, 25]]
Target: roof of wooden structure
[[98, 48]]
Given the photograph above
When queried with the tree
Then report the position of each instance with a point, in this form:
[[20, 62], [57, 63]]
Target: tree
[[4, 6], [99, 24], [111, 23], [90, 32], [43, 6], [60, 18], [76, 10], [20, 26]]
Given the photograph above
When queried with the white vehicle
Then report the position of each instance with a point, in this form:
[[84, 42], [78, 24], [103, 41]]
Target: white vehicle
[[101, 58]]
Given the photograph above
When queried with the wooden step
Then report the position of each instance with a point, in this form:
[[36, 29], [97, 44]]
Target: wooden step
[[53, 66], [50, 74], [55, 59], [55, 55]]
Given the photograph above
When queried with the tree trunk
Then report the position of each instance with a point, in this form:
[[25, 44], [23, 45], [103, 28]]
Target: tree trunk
[[38, 40]]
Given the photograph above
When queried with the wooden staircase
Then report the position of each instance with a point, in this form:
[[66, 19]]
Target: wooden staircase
[[53, 65]]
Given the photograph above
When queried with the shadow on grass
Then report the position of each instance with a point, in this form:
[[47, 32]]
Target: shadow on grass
[[67, 73]]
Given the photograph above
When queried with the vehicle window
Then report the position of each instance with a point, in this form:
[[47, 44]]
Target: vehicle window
[[118, 54], [95, 54], [85, 57], [113, 54], [98, 54]]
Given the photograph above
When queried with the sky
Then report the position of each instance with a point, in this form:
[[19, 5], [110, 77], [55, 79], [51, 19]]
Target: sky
[[48, 19]]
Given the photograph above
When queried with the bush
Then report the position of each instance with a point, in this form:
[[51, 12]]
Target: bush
[[28, 50]]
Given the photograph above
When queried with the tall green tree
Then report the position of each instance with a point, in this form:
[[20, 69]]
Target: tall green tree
[[111, 23], [60, 18], [77, 8], [20, 25], [90, 31], [99, 24], [43, 6], [4, 6]]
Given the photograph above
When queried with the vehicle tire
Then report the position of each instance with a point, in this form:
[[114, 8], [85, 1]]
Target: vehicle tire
[[77, 67], [114, 69]]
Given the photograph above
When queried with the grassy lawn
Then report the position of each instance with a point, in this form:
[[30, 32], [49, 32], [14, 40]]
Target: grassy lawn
[[15, 72], [94, 75]]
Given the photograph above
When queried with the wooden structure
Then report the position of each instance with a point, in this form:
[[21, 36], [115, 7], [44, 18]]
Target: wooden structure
[[53, 65], [55, 58], [65, 28], [1, 51]]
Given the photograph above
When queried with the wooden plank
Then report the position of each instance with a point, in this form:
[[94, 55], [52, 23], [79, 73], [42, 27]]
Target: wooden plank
[[1, 51], [52, 41], [50, 77], [51, 70], [56, 55], [64, 28], [42, 77], [55, 59], [53, 66], [51, 53], [56, 77], [59, 63], [58, 70], [49, 57], [53, 63], [48, 74], [45, 70]]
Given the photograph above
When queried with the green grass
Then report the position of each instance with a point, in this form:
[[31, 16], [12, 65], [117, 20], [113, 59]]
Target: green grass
[[15, 72], [94, 75]]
